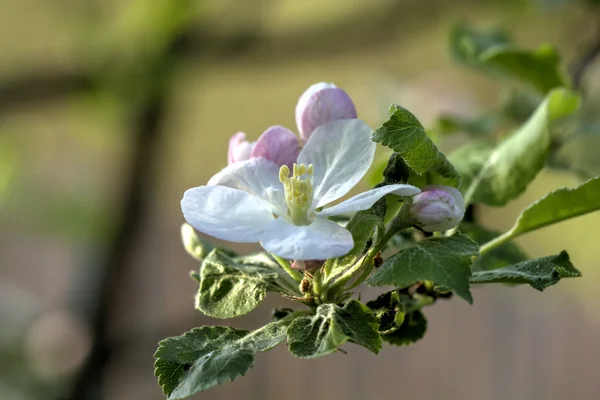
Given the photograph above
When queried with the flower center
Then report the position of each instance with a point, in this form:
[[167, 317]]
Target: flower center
[[298, 192]]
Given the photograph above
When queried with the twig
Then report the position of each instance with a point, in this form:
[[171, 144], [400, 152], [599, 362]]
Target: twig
[[42, 86], [147, 127], [347, 35], [581, 65]]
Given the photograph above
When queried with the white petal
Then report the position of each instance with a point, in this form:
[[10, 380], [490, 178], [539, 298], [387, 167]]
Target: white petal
[[341, 152], [320, 240], [367, 199], [257, 176], [226, 213]]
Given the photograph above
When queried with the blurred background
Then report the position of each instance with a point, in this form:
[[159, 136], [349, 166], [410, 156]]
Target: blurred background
[[110, 109]]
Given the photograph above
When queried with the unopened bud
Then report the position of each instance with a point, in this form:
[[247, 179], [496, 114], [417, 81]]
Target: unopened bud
[[437, 208], [192, 243], [321, 103], [400, 314], [239, 148], [305, 285], [277, 144]]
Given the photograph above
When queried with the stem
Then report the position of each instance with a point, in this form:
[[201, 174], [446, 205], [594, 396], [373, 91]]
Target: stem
[[366, 260], [295, 275], [317, 283], [298, 313], [288, 286], [498, 241], [364, 274]]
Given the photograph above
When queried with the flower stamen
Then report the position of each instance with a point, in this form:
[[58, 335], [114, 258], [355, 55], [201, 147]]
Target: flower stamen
[[298, 192]]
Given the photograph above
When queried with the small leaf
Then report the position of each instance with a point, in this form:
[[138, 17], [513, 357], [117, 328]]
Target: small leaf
[[404, 134], [539, 273], [477, 127], [210, 356], [467, 44], [559, 205], [539, 68], [331, 326], [391, 307], [503, 255], [233, 287], [364, 226], [193, 243], [396, 170], [412, 330], [504, 173], [446, 261]]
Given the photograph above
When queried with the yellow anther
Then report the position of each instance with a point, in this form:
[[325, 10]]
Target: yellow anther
[[311, 170], [301, 169], [295, 170], [284, 173]]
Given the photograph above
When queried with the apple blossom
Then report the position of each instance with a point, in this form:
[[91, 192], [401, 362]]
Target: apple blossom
[[283, 208]]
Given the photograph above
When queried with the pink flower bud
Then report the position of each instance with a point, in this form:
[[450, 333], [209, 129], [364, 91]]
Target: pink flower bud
[[438, 208], [239, 148], [277, 144], [321, 103]]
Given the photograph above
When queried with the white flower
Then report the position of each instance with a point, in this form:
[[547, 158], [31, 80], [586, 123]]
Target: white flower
[[257, 201], [438, 208]]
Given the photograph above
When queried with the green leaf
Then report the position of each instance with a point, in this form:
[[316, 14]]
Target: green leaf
[[501, 256], [492, 51], [404, 134], [504, 173], [539, 68], [467, 44], [558, 205], [445, 261], [539, 273], [364, 226], [469, 159], [396, 170], [477, 127], [210, 356], [392, 307], [412, 329], [233, 287], [331, 326]]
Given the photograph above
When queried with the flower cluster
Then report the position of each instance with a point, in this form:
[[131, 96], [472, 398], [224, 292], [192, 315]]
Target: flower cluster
[[279, 193]]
